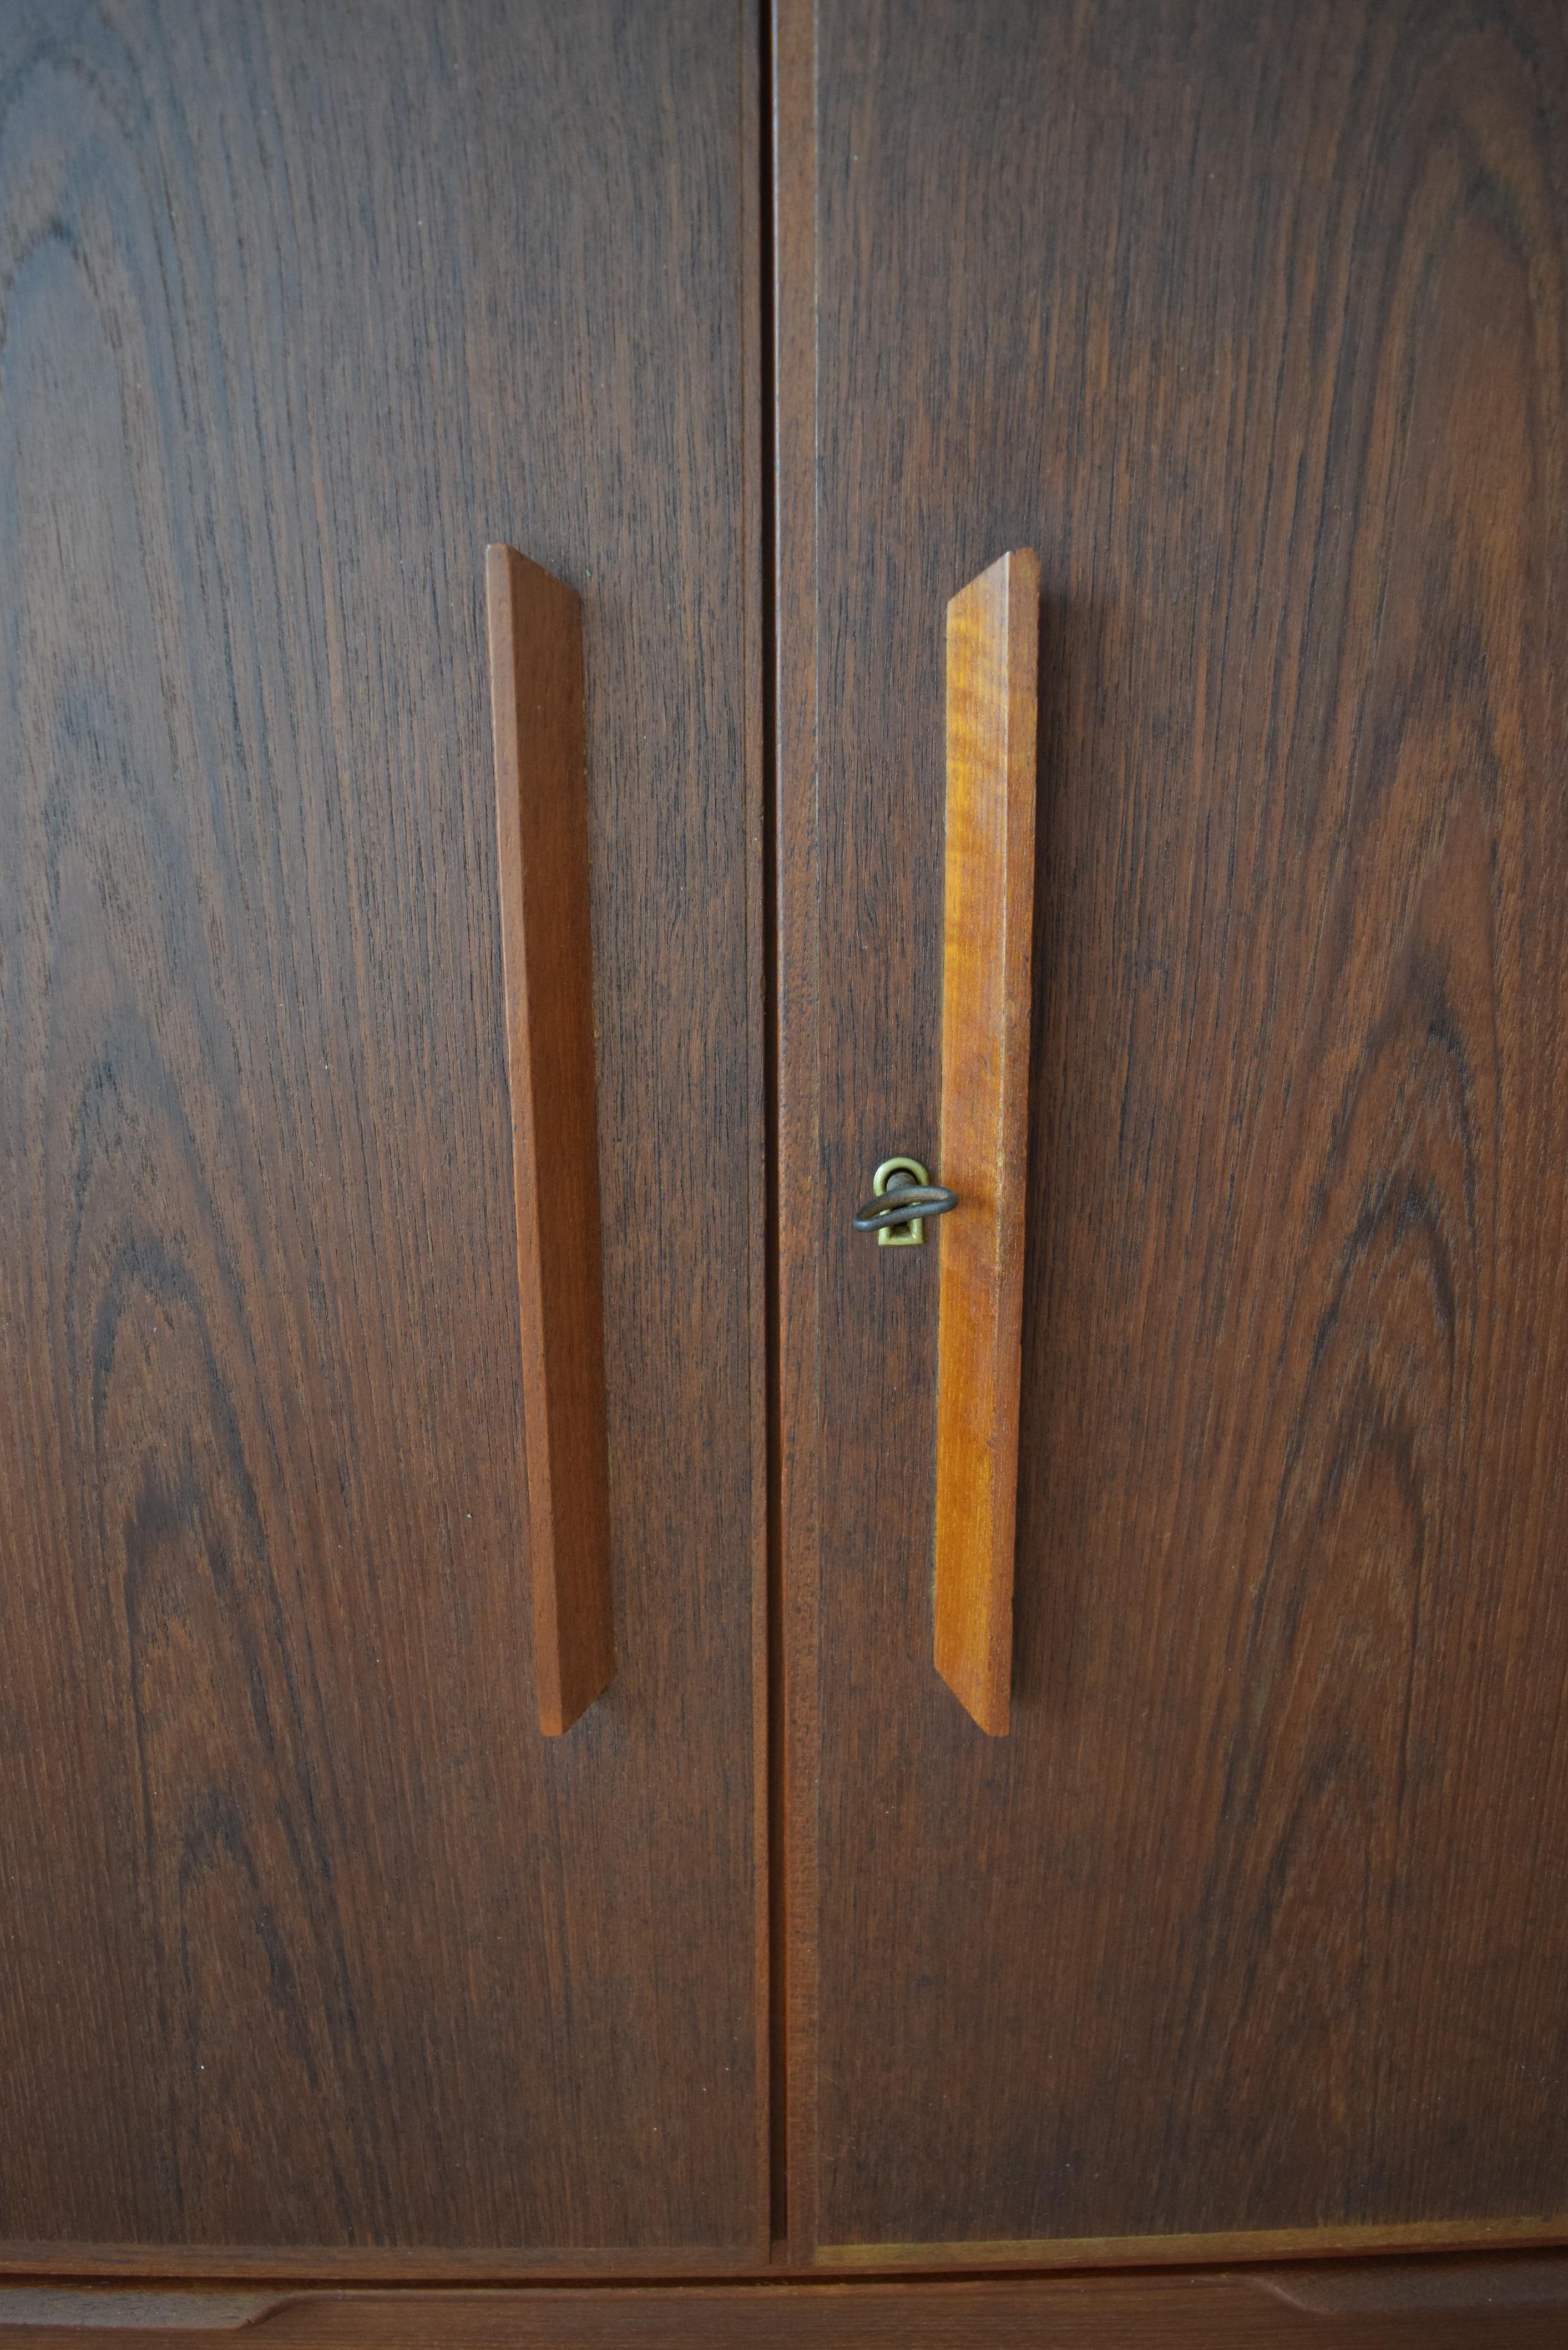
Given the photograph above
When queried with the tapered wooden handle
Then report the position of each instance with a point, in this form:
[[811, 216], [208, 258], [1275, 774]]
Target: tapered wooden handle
[[542, 837], [993, 664]]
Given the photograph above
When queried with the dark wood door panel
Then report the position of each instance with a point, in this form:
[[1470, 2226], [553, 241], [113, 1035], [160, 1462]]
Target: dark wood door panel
[[310, 1939], [1250, 319]]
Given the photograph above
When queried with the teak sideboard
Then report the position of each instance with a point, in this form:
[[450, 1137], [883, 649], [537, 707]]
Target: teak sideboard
[[605, 1734]]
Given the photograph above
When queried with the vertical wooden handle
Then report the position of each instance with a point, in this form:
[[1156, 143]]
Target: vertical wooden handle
[[542, 836], [992, 685]]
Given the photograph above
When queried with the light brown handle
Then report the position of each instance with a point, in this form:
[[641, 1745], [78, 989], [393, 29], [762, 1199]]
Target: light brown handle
[[993, 683], [547, 941]]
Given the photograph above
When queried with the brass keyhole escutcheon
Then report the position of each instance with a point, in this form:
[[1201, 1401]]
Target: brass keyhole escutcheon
[[893, 1175]]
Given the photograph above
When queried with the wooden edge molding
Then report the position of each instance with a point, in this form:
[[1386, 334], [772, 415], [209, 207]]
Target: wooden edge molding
[[1453, 2305], [537, 710], [168, 2309], [1402, 2288], [992, 685], [1288, 2252]]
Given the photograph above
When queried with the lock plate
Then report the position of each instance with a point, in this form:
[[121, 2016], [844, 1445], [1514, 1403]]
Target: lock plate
[[913, 1234]]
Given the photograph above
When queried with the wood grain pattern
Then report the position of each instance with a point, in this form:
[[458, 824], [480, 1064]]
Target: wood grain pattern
[[799, 1010], [988, 913], [1381, 2305], [535, 632], [315, 1957], [1254, 322]]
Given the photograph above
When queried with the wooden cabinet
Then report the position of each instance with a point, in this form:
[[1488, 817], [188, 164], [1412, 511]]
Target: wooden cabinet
[[1225, 1997]]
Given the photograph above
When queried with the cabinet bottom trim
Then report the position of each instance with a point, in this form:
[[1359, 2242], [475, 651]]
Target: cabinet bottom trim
[[1166, 2252], [1460, 2305]]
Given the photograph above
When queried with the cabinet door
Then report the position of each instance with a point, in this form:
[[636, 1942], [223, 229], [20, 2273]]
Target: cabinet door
[[311, 1944], [1252, 320]]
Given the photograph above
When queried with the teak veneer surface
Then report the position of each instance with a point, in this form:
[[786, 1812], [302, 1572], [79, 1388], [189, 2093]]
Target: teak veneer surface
[[535, 624], [1251, 321], [310, 1940], [988, 915]]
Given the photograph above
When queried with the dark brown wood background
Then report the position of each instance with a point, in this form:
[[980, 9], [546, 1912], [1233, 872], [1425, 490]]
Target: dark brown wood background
[[1250, 319], [310, 1939]]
